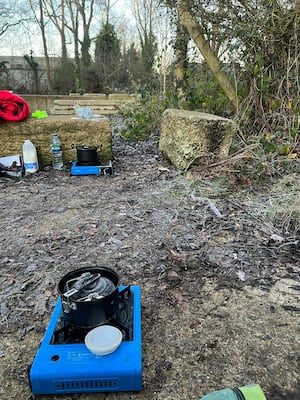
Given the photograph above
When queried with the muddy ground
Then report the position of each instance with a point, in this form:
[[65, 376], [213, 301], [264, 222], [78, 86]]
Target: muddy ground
[[220, 283]]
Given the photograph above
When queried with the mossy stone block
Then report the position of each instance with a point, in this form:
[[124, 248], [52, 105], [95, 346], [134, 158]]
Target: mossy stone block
[[71, 131], [186, 136]]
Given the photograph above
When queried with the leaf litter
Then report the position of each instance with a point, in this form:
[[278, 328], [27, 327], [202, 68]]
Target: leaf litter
[[218, 279]]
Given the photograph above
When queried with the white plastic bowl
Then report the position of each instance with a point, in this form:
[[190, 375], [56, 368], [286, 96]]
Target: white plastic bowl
[[103, 340]]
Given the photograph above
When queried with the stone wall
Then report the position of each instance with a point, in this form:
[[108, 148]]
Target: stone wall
[[99, 103], [71, 131]]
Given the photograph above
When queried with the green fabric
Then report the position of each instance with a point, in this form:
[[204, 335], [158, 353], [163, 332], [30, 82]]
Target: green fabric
[[252, 392], [225, 394], [39, 114]]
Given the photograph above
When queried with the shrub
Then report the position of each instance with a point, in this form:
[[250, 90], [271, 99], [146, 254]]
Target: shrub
[[143, 119]]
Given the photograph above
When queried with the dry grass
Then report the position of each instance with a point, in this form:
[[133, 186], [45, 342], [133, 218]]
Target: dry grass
[[284, 197], [284, 207], [212, 166]]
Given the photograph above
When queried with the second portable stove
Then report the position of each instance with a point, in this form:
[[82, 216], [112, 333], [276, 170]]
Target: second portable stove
[[63, 363]]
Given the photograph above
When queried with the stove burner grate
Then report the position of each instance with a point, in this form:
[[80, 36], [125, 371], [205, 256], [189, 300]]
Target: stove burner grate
[[68, 333]]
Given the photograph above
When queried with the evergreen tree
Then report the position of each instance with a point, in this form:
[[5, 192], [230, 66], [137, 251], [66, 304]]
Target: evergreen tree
[[107, 56], [131, 70]]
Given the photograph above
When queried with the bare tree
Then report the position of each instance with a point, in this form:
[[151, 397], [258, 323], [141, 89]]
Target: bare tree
[[86, 11], [55, 10], [10, 16], [145, 12], [73, 26], [107, 5], [38, 12]]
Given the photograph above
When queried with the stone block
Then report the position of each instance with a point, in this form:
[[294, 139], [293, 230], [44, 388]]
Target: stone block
[[120, 97], [64, 102], [71, 131], [61, 111], [92, 103], [106, 111], [186, 136], [135, 97], [64, 107], [97, 95]]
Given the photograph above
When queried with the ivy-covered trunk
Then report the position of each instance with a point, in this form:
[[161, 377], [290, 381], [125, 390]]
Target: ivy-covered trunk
[[181, 44], [188, 20]]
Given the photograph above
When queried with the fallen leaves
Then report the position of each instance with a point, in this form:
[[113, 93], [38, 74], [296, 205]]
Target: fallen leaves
[[40, 303]]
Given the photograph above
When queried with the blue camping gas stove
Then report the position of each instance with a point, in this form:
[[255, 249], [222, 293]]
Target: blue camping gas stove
[[103, 170], [64, 364], [89, 163]]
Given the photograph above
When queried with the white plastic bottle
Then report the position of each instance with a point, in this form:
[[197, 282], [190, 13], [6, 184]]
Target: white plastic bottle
[[56, 149], [30, 158]]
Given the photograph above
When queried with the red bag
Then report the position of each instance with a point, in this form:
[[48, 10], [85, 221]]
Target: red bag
[[12, 107]]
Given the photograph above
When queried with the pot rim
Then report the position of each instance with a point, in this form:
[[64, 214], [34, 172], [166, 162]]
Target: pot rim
[[88, 148], [96, 311], [108, 273]]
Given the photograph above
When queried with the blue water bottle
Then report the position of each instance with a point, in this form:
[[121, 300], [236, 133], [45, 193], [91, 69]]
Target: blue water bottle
[[249, 392]]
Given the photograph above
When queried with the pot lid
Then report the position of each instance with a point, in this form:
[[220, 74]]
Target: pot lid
[[88, 286], [103, 340]]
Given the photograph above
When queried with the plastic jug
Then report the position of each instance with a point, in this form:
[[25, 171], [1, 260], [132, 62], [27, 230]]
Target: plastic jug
[[249, 392], [30, 158]]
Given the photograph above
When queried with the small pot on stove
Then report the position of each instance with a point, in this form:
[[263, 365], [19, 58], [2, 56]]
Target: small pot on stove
[[89, 296], [87, 155]]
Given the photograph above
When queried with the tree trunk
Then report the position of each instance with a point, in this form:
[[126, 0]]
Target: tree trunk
[[182, 39], [74, 28], [85, 48], [86, 22], [77, 69], [45, 47], [187, 20], [64, 54]]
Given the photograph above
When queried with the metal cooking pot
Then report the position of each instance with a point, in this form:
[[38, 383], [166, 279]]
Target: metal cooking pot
[[89, 295], [87, 155]]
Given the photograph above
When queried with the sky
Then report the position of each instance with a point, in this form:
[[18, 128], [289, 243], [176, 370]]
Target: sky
[[22, 40]]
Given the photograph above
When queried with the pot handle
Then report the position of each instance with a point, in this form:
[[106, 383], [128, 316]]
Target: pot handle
[[99, 148]]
